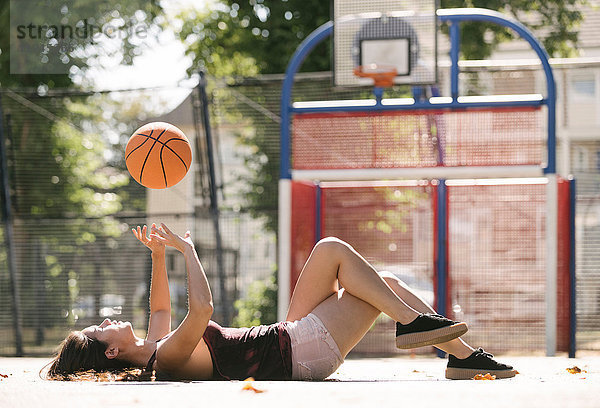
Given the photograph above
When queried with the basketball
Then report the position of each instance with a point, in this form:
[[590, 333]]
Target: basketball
[[158, 155]]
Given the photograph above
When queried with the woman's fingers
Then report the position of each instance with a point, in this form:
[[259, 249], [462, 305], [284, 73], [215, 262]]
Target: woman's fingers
[[158, 238], [159, 232], [167, 230], [138, 233], [141, 233]]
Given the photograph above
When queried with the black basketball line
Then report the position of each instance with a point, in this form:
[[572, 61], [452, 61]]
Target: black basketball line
[[149, 150], [175, 153], [159, 141], [163, 167], [127, 157], [165, 143]]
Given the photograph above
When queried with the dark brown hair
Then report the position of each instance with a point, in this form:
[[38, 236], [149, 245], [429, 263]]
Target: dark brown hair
[[78, 353]]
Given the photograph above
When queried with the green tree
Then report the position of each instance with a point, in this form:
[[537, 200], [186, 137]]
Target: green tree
[[117, 14], [63, 199], [240, 38], [235, 34], [65, 193], [554, 21], [247, 37], [260, 304]]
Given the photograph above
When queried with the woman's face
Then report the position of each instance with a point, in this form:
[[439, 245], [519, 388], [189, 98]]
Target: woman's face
[[111, 332]]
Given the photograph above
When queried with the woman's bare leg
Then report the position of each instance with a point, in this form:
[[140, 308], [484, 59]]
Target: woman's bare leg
[[348, 318], [333, 261], [457, 347]]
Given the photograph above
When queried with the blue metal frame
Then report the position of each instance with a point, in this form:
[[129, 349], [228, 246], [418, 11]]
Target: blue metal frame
[[302, 51], [454, 17], [442, 261], [573, 278], [442, 256], [318, 215], [378, 107], [454, 54]]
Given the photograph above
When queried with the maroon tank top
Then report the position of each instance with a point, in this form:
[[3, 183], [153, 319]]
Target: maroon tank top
[[263, 352]]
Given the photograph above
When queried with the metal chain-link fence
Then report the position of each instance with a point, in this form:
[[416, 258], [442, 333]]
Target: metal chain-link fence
[[74, 262]]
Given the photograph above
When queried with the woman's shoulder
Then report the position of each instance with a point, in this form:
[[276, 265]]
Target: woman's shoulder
[[197, 367]]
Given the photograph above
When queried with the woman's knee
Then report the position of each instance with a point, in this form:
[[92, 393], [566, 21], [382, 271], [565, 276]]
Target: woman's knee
[[332, 246]]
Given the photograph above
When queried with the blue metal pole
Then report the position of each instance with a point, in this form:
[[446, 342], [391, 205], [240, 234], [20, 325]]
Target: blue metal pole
[[442, 263], [302, 51], [442, 259], [477, 14], [318, 215], [417, 93], [454, 54], [378, 92], [572, 270]]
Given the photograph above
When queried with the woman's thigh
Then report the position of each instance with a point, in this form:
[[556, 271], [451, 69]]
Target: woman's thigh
[[347, 318], [318, 279]]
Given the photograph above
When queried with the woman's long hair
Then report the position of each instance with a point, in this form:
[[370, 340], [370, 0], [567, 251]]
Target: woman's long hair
[[79, 353]]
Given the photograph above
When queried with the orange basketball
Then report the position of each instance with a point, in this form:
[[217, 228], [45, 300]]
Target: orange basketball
[[158, 155]]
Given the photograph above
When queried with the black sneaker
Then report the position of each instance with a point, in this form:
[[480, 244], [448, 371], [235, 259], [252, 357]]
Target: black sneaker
[[479, 362], [428, 329]]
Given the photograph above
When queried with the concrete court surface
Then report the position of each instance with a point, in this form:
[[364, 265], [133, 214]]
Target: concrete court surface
[[364, 382]]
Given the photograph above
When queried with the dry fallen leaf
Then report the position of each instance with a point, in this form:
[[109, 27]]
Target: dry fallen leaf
[[575, 370], [487, 376], [249, 385]]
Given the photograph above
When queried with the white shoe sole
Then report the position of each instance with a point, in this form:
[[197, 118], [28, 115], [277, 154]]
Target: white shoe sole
[[428, 338], [468, 373]]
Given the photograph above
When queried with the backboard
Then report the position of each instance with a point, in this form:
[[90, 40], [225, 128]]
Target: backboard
[[397, 33]]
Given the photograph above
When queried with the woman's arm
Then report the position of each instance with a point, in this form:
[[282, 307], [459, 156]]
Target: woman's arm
[[159, 323], [179, 346]]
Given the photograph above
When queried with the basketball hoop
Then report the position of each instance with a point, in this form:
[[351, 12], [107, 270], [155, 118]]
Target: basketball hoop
[[382, 75]]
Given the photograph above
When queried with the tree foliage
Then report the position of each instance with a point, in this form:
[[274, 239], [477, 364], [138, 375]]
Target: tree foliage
[[247, 37], [63, 196], [259, 306], [555, 22], [64, 192], [118, 14], [239, 38], [244, 37]]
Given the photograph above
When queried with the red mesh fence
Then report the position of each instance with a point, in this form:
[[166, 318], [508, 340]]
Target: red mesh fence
[[476, 137], [497, 237], [497, 248], [391, 226], [563, 279], [303, 226]]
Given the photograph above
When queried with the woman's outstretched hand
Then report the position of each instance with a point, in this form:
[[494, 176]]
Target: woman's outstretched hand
[[152, 242], [167, 237]]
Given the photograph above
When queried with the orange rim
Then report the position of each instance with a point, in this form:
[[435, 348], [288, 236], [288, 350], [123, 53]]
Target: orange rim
[[382, 76]]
